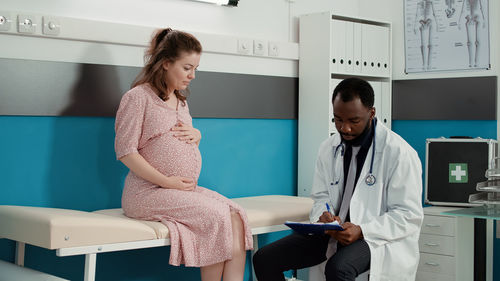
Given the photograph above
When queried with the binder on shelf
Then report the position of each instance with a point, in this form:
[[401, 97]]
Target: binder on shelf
[[382, 50], [386, 114], [368, 46], [349, 46], [377, 90], [338, 42], [357, 47]]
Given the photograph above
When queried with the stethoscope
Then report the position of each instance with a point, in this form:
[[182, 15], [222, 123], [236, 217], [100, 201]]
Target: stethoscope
[[370, 179]]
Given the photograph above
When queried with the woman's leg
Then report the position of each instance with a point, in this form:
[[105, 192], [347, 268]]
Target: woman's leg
[[247, 233], [234, 269], [212, 272]]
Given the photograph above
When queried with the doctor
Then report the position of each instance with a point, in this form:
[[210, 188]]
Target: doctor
[[367, 178]]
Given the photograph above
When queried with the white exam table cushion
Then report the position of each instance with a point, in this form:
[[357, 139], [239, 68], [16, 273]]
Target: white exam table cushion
[[269, 210], [52, 228], [266, 210], [62, 228], [160, 230]]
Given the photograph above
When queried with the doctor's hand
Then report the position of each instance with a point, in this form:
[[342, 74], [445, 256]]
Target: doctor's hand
[[328, 217], [350, 234], [186, 133]]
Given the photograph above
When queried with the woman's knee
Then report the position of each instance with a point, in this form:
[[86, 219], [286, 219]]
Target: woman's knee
[[216, 211]]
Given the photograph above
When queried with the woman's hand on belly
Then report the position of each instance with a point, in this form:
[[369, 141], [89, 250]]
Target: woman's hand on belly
[[186, 133], [180, 183], [139, 166]]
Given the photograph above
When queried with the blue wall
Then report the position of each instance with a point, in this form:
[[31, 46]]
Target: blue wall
[[416, 132], [69, 162]]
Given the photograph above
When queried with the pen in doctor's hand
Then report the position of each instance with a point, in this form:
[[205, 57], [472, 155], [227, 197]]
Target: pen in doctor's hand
[[327, 216], [332, 217]]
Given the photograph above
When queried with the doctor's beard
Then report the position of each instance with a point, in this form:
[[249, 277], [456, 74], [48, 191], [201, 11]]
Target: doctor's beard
[[359, 138]]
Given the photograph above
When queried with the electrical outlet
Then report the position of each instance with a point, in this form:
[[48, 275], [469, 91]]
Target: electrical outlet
[[5, 21], [259, 47], [273, 49], [51, 26], [26, 24], [245, 46]]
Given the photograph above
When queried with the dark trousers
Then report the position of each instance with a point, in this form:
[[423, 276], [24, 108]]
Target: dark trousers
[[298, 251]]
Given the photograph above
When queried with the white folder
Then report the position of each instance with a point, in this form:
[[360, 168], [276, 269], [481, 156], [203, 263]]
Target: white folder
[[338, 43], [349, 47], [357, 55]]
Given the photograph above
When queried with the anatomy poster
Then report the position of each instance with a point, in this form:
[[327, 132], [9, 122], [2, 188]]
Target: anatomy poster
[[446, 35]]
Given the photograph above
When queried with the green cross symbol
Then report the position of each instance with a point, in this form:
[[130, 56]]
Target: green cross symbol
[[458, 173]]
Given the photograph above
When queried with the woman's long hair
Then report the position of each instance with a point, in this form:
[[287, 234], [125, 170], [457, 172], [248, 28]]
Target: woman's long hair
[[166, 46]]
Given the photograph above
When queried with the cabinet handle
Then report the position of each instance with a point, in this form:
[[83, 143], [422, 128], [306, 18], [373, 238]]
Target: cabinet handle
[[432, 263], [431, 244], [432, 225]]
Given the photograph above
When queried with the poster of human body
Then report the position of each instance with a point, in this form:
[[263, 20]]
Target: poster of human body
[[446, 35]]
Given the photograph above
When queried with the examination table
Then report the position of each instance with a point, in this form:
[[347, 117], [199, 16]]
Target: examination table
[[72, 232]]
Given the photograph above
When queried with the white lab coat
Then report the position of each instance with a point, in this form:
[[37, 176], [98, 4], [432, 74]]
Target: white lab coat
[[389, 212]]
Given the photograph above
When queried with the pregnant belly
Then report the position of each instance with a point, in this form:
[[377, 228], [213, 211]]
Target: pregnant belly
[[173, 157]]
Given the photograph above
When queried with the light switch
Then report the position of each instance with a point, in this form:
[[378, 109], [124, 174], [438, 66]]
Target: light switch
[[245, 46], [51, 26], [273, 49]]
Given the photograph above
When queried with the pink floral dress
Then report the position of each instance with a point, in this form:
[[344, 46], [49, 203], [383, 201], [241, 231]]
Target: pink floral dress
[[199, 221]]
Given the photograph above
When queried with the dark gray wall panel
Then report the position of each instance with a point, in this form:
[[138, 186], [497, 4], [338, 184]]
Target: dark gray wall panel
[[226, 95], [30, 87], [468, 98], [45, 88]]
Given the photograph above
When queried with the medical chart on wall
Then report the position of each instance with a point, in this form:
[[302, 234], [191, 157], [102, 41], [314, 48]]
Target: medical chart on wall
[[446, 35]]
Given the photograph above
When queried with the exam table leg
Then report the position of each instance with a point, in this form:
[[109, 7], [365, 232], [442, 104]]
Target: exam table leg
[[255, 248], [90, 262], [20, 247]]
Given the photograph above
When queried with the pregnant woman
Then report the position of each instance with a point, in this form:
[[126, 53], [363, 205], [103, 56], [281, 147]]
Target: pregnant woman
[[155, 139]]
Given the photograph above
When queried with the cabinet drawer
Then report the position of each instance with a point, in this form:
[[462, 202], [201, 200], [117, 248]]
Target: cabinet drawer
[[437, 264], [438, 225], [428, 276], [437, 244]]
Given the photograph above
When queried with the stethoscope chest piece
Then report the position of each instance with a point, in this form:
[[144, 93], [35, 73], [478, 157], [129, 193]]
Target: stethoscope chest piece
[[370, 179]]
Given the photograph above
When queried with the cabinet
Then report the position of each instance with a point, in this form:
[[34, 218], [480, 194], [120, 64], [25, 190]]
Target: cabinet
[[331, 48], [446, 247]]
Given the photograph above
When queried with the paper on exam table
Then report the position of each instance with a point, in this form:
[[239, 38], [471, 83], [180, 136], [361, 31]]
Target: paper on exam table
[[313, 228]]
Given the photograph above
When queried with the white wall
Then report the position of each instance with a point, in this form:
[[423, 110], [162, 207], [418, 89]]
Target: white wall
[[252, 18], [300, 7], [270, 20]]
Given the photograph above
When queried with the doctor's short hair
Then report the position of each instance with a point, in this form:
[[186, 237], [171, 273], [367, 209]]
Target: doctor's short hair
[[352, 88]]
